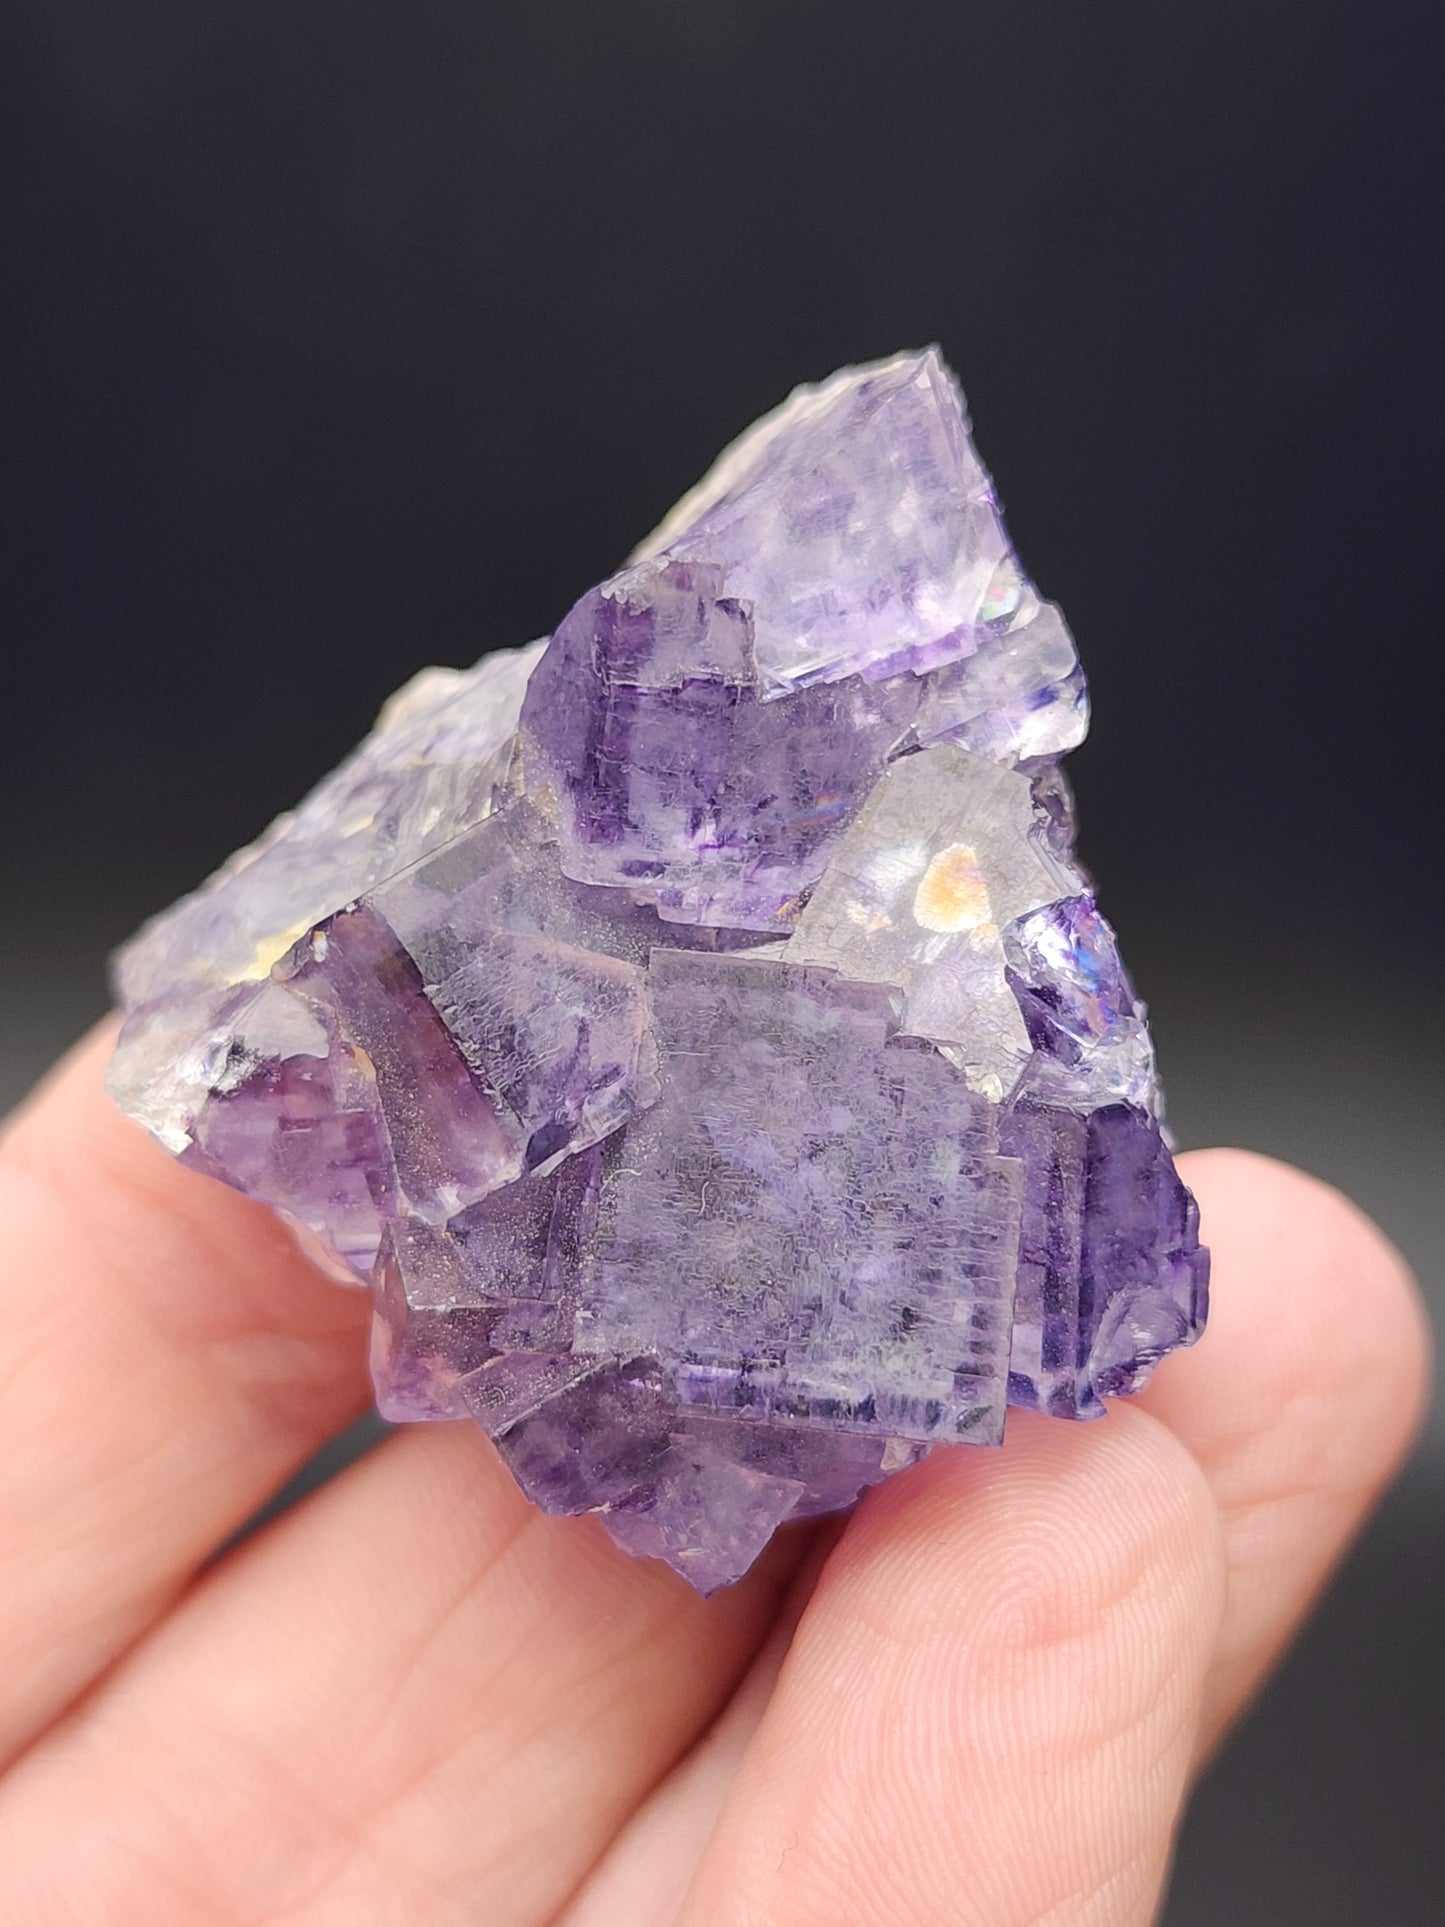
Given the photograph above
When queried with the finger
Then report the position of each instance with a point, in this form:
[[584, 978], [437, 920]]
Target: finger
[[642, 1879], [1299, 1403], [415, 1698], [167, 1358], [988, 1712]]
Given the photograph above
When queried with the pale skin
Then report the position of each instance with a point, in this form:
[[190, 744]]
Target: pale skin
[[414, 1702]]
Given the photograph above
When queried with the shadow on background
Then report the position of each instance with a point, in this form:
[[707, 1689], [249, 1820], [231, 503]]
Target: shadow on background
[[350, 338]]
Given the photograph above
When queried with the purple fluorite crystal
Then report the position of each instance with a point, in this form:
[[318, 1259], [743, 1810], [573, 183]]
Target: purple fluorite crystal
[[696, 1030]]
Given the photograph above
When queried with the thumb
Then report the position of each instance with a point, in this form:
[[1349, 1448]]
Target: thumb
[[989, 1710]]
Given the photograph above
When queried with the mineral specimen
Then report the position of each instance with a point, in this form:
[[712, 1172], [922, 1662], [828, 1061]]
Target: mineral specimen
[[695, 1029]]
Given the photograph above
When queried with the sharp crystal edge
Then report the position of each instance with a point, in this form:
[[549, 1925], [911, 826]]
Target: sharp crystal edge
[[695, 1028]]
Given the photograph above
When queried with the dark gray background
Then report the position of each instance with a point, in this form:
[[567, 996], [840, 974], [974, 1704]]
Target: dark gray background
[[343, 337]]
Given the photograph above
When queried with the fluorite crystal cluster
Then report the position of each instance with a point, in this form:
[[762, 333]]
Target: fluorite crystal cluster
[[696, 1029]]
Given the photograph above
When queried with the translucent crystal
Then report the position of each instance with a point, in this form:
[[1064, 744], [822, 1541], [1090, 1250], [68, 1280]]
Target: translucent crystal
[[696, 1030]]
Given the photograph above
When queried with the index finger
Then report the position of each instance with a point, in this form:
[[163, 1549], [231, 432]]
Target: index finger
[[168, 1358]]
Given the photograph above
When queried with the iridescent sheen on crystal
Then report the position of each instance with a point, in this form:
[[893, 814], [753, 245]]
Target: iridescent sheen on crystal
[[696, 1029]]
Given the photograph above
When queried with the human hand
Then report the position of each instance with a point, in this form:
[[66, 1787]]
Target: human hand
[[413, 1701]]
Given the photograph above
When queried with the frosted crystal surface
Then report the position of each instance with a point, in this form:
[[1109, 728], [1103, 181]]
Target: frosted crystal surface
[[695, 1029]]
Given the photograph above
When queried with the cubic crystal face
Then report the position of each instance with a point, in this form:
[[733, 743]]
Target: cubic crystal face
[[847, 1224], [695, 1028]]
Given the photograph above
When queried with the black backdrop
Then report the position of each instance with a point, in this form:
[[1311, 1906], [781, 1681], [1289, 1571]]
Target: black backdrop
[[343, 337]]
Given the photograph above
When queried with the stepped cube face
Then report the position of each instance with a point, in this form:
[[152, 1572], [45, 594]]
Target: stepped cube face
[[695, 1029]]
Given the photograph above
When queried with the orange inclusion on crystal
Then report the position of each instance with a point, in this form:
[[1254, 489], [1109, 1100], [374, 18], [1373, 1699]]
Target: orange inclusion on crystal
[[952, 894]]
